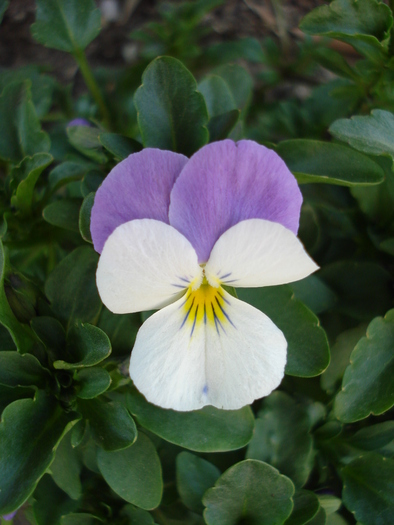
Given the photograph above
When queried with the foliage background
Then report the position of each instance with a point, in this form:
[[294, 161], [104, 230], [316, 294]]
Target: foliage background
[[78, 444]]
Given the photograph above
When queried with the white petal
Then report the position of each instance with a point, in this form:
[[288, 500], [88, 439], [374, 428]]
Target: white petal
[[227, 363], [257, 252], [145, 264]]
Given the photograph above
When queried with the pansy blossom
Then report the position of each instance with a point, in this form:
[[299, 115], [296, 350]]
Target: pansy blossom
[[172, 233]]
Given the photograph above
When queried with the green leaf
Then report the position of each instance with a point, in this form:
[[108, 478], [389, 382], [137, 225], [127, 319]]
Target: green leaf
[[194, 476], [137, 516], [80, 518], [329, 503], [307, 353], [71, 287], [63, 213], [251, 491], [112, 426], [362, 288], [84, 217], [335, 62], [220, 126], [172, 114], [134, 473], [3, 8], [374, 437], [314, 293], [119, 145], [51, 333], [66, 468], [29, 433], [20, 129], [340, 356], [50, 503], [364, 24], [87, 345], [217, 95], [21, 334], [328, 163], [205, 430], [239, 81], [372, 134], [10, 394], [368, 383], [92, 382], [27, 174], [282, 438], [306, 507], [66, 172], [21, 370], [86, 140], [67, 26], [368, 489]]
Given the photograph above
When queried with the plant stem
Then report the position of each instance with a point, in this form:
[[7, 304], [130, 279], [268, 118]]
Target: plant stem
[[92, 85]]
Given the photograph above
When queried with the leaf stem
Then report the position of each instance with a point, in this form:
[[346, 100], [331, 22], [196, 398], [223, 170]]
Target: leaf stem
[[92, 85]]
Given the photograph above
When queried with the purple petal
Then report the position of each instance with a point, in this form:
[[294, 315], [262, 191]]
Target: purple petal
[[225, 183], [8, 517], [139, 187], [79, 122]]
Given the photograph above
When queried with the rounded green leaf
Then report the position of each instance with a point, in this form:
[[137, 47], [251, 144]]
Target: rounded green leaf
[[373, 134], [134, 473], [307, 353], [30, 430], [205, 430], [71, 287], [282, 437], [92, 382], [63, 213], [84, 217], [172, 114], [119, 145], [112, 426], [67, 26], [87, 345], [374, 437], [66, 468], [194, 476], [368, 383], [325, 162], [306, 507], [368, 489], [22, 370], [251, 491]]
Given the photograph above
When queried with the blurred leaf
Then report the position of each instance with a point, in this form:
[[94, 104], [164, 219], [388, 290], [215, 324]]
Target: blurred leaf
[[329, 163], [217, 95], [20, 129], [92, 382], [134, 473], [67, 26], [373, 134], [112, 426], [20, 333], [66, 172], [251, 491], [368, 489], [220, 126], [50, 503], [172, 114], [368, 383], [244, 48], [80, 518], [362, 288], [340, 356], [334, 61], [314, 293], [63, 213], [306, 507], [3, 8], [374, 437], [364, 24], [27, 174], [239, 81], [22, 370], [329, 503], [205, 430], [194, 476], [307, 353], [137, 516], [84, 217], [66, 468], [87, 345], [71, 287], [282, 438], [86, 140], [119, 145], [30, 430]]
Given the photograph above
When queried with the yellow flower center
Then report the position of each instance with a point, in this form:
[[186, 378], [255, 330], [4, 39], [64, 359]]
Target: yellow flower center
[[204, 305]]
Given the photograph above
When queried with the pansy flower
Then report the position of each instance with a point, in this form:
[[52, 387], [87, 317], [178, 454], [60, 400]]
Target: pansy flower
[[173, 232]]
